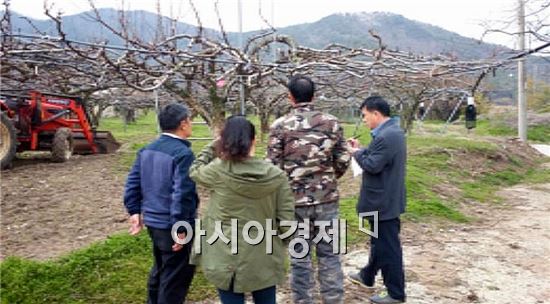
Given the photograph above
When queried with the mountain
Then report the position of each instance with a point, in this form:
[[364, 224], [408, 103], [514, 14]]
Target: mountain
[[83, 27], [397, 32], [351, 29]]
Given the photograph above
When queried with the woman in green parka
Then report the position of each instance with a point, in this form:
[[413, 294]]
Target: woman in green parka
[[243, 189]]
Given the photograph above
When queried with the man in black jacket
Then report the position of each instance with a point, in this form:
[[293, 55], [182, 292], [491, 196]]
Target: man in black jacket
[[383, 191]]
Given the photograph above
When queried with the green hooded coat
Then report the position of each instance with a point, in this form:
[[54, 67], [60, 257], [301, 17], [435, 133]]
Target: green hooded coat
[[249, 190]]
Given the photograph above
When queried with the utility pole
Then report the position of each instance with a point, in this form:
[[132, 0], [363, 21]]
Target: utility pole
[[241, 46], [274, 34], [522, 104]]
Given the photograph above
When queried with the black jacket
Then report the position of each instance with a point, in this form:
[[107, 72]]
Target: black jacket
[[383, 163]]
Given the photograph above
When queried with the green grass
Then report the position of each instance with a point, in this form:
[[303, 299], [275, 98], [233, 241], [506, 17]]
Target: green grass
[[347, 212], [112, 271], [479, 192], [428, 157], [484, 188], [432, 206], [422, 200], [144, 127], [430, 163], [115, 270], [138, 134], [537, 176], [540, 133]]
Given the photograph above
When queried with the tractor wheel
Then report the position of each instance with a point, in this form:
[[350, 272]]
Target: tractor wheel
[[62, 145], [8, 141]]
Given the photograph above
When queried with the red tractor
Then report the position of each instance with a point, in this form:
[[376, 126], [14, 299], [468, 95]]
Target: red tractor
[[48, 122]]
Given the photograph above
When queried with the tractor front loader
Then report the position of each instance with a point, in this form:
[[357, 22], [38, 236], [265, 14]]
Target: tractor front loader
[[48, 122]]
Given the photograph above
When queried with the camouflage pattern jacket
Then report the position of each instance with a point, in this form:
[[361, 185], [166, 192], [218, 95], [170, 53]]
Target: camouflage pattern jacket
[[310, 147]]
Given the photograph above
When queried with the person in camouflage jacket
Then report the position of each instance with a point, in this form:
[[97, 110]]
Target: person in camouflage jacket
[[310, 147]]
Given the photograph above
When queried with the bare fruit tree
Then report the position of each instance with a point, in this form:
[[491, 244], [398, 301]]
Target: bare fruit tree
[[204, 70]]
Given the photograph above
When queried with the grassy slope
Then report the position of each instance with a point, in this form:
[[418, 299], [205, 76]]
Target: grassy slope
[[115, 270], [540, 133]]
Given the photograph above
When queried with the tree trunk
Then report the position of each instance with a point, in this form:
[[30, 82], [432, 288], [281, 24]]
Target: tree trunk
[[264, 125], [95, 111], [407, 119], [218, 111], [191, 102]]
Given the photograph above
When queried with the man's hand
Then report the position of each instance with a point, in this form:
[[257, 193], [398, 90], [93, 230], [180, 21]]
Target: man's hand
[[136, 224], [176, 246], [353, 145]]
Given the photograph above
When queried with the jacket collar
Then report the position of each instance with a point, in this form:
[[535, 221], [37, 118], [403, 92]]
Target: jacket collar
[[170, 135], [303, 107], [381, 127]]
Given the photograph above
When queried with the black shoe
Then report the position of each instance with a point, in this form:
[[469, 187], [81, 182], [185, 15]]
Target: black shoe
[[356, 278]]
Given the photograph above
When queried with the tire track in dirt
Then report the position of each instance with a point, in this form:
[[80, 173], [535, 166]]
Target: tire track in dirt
[[48, 209]]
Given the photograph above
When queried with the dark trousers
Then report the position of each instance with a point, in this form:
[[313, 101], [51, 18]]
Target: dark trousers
[[171, 274], [262, 296], [329, 270], [386, 255]]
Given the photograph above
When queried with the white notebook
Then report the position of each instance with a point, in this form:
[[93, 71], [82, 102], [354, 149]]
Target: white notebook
[[356, 168]]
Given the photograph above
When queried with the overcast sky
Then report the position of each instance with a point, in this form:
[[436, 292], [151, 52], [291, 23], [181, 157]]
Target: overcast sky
[[462, 16]]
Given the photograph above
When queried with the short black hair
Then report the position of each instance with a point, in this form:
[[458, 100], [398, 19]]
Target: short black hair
[[236, 139], [376, 103], [302, 88], [171, 116]]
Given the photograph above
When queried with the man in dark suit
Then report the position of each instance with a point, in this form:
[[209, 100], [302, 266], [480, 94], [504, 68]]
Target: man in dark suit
[[383, 191]]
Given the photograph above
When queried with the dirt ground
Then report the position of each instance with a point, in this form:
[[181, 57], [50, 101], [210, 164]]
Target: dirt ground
[[501, 259], [71, 204], [51, 208]]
